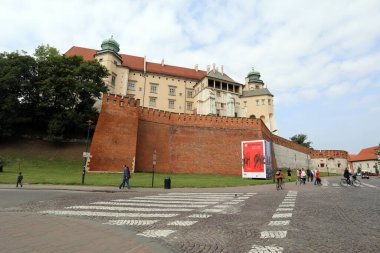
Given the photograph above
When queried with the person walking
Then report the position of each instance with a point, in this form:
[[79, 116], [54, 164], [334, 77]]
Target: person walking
[[311, 176], [126, 177], [317, 178], [298, 176], [303, 176], [19, 179], [308, 172], [289, 174]]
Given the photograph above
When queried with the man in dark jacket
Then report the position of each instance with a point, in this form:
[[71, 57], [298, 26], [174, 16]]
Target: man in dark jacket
[[126, 177], [347, 175]]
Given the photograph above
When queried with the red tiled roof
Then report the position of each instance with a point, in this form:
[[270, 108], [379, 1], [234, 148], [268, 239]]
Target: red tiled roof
[[365, 154], [137, 63]]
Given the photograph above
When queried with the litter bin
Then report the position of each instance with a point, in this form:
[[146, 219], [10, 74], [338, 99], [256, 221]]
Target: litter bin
[[1, 168], [167, 183]]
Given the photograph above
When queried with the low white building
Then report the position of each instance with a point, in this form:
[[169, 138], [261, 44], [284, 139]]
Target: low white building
[[368, 160]]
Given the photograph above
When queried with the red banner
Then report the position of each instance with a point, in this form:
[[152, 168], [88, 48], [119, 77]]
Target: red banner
[[253, 157]]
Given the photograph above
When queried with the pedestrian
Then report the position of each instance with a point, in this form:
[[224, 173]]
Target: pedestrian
[[289, 174], [126, 177], [317, 178], [298, 176], [311, 176], [19, 179], [303, 176], [308, 174]]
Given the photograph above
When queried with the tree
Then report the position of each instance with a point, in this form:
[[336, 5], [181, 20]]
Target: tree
[[68, 88], [301, 139], [17, 73], [49, 93]]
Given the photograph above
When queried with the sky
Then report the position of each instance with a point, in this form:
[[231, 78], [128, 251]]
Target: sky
[[320, 59]]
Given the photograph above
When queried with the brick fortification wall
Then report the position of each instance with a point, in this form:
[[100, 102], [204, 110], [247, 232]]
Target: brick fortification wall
[[184, 143], [329, 154]]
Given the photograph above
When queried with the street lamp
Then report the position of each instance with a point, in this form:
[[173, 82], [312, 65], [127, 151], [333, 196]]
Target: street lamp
[[86, 155], [154, 161]]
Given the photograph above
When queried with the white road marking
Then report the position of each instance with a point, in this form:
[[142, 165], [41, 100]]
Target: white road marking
[[284, 209], [335, 184], [182, 223], [184, 198], [137, 209], [156, 233], [279, 223], [369, 185], [108, 214], [131, 222], [221, 206], [325, 183], [166, 201], [145, 204], [282, 215], [286, 205], [212, 210], [266, 249], [273, 234], [200, 215]]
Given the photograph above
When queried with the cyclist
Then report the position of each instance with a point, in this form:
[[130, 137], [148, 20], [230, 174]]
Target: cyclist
[[347, 175], [279, 177]]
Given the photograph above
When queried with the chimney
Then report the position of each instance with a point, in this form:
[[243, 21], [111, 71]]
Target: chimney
[[208, 68], [213, 67], [196, 67], [222, 70], [144, 64], [162, 62]]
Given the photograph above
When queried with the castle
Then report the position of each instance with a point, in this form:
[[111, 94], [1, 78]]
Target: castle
[[182, 90], [193, 120]]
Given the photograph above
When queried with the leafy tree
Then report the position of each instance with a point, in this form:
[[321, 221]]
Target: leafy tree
[[49, 92], [301, 139], [17, 72]]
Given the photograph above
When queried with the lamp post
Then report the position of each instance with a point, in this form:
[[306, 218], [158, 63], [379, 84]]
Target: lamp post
[[154, 161], [86, 154]]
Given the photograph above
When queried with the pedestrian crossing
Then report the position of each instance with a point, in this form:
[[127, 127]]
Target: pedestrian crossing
[[327, 184], [162, 214]]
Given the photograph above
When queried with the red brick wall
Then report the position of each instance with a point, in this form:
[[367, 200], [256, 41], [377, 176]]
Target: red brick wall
[[329, 154], [115, 137], [184, 143]]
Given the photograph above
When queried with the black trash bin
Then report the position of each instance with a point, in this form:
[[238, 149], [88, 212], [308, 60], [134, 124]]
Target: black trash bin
[[1, 168], [167, 183]]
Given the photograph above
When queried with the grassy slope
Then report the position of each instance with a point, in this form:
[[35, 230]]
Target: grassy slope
[[45, 163]]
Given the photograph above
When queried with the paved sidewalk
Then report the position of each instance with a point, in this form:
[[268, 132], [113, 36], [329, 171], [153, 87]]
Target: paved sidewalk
[[29, 232]]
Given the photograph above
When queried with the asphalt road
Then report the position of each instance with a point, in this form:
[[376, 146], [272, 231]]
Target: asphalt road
[[306, 218]]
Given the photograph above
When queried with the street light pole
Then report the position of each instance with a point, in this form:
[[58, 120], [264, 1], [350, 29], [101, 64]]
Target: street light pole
[[154, 161], [86, 155]]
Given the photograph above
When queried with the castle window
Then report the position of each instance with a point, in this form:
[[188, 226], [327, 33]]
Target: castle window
[[218, 94], [131, 85], [153, 88], [113, 79], [189, 106], [171, 104], [263, 101], [172, 90], [269, 101], [257, 102], [152, 101], [189, 93]]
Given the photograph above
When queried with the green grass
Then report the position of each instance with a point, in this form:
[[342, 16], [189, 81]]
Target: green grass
[[40, 170]]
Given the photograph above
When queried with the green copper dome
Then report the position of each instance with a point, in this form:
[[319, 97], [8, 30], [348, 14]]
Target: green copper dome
[[110, 44], [254, 76]]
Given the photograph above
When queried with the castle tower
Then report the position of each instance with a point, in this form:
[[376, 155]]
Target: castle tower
[[109, 57], [257, 101]]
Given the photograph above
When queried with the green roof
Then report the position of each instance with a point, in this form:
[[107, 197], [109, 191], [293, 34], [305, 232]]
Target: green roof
[[254, 76], [258, 92], [110, 44]]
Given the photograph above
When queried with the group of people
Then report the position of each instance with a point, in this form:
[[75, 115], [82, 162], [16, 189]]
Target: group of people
[[309, 175], [302, 176]]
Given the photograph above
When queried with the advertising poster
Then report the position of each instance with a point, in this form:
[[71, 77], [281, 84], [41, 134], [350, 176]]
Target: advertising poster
[[255, 162]]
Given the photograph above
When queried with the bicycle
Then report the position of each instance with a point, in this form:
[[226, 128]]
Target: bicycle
[[280, 185], [353, 182]]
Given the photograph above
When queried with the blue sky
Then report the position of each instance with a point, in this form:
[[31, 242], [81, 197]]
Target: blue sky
[[320, 59]]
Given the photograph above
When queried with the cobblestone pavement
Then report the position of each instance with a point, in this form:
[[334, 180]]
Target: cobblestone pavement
[[306, 218]]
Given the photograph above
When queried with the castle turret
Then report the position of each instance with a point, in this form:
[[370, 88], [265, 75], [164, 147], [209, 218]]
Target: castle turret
[[257, 101]]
